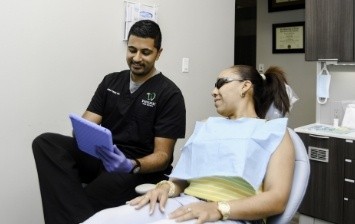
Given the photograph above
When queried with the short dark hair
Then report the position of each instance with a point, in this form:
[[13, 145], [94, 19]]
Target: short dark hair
[[147, 29]]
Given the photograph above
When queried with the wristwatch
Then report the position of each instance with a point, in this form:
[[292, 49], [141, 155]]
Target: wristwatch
[[224, 208], [137, 167]]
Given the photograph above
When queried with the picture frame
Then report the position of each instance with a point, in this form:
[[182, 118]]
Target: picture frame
[[283, 5], [288, 37]]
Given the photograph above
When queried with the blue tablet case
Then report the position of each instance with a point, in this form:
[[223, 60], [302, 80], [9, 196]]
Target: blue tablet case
[[89, 135]]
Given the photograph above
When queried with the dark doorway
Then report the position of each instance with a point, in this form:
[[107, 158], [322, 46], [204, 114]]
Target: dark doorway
[[245, 32]]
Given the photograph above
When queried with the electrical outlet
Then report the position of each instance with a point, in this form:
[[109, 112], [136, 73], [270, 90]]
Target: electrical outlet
[[261, 68]]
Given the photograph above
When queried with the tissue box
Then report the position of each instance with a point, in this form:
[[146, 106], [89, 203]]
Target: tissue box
[[349, 117]]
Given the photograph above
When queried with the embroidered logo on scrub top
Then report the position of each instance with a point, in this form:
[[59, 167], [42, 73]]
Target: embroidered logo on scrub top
[[112, 91], [149, 101]]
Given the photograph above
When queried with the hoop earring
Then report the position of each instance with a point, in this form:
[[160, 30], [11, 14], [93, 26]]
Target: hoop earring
[[242, 94]]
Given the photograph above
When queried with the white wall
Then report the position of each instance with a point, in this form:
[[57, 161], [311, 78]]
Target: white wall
[[300, 74], [53, 54], [341, 92]]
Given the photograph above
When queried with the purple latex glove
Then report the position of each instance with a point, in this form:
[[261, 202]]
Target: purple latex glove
[[114, 161]]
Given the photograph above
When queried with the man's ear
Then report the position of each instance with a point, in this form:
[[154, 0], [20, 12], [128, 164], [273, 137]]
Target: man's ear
[[158, 54]]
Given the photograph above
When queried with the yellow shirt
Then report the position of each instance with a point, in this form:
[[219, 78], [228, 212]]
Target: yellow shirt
[[218, 188]]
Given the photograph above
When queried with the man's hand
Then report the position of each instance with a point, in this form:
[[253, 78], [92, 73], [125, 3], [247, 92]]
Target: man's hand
[[114, 161]]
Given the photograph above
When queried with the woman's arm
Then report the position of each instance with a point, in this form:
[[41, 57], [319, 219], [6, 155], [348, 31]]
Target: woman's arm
[[277, 186]]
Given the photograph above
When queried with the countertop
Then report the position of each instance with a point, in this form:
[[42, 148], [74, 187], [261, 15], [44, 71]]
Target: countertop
[[327, 130]]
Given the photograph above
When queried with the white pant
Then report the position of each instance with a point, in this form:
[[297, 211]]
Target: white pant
[[127, 214]]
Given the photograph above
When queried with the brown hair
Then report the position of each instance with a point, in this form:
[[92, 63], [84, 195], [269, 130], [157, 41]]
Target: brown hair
[[268, 90]]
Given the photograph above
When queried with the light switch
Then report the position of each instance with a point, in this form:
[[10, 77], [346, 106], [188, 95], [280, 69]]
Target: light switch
[[185, 65]]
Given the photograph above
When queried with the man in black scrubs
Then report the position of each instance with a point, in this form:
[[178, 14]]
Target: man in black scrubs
[[145, 112]]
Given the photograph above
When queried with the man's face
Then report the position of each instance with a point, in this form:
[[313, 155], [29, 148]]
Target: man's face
[[141, 55]]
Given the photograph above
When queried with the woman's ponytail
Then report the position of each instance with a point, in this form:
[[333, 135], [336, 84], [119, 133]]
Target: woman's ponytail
[[275, 91]]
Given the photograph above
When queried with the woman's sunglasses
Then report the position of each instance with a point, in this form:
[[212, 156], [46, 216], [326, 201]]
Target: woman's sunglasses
[[221, 81]]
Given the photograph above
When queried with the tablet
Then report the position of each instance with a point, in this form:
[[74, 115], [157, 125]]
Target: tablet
[[89, 135]]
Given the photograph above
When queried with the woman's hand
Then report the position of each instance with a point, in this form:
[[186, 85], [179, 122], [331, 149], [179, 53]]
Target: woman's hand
[[202, 211], [158, 194]]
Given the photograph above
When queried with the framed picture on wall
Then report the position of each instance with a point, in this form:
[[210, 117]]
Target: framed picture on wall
[[282, 5], [288, 37]]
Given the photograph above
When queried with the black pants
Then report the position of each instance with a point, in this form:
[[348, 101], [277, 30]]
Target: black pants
[[62, 168]]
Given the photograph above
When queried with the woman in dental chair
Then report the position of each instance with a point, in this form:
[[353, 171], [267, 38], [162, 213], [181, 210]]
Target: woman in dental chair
[[237, 168]]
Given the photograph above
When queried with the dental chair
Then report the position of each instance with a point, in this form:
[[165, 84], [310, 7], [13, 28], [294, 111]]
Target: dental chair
[[299, 184]]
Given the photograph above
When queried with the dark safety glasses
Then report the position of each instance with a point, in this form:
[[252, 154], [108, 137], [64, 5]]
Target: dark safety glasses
[[221, 81]]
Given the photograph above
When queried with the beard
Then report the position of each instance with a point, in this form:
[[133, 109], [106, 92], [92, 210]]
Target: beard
[[139, 69]]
